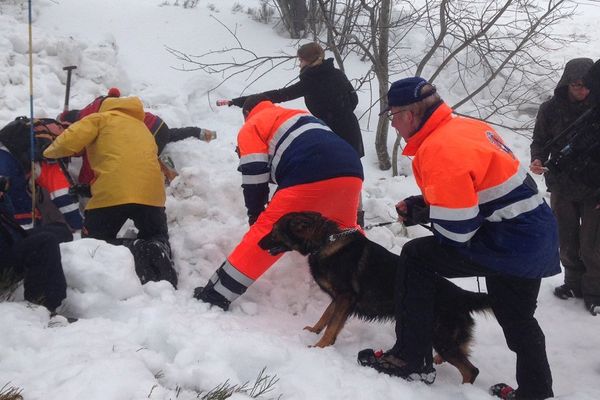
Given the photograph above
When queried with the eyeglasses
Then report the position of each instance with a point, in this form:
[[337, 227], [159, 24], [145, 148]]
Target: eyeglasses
[[390, 115], [576, 85]]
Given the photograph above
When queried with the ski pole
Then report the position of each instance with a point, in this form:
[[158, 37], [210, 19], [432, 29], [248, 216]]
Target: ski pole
[[31, 135], [61, 162], [69, 70]]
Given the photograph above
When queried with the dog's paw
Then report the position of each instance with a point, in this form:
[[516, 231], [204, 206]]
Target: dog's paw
[[437, 359], [324, 342], [312, 329]]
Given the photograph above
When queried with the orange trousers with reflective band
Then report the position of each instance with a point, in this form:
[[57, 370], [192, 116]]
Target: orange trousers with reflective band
[[336, 199]]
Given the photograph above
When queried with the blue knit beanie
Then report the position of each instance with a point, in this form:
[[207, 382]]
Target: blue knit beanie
[[407, 91]]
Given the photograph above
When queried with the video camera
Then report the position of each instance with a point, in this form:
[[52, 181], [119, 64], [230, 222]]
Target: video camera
[[580, 157]]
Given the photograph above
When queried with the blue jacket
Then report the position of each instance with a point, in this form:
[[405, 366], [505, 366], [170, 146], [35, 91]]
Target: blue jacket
[[51, 179]]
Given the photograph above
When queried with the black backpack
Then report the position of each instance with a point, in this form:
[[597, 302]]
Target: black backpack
[[16, 137]]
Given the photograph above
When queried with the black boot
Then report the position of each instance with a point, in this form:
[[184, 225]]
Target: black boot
[[390, 364], [153, 261], [208, 294], [567, 292]]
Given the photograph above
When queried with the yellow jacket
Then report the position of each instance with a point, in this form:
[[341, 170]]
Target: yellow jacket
[[121, 151]]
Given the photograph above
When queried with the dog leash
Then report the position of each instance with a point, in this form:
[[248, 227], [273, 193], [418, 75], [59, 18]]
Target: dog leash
[[336, 236], [371, 226]]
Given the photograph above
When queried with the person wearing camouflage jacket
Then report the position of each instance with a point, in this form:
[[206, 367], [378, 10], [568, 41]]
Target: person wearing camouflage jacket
[[574, 204]]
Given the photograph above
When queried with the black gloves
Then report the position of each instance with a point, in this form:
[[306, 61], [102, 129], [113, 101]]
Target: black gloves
[[209, 295], [417, 212], [252, 219], [80, 189], [253, 216]]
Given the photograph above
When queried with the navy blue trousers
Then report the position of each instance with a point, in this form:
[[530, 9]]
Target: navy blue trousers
[[514, 301]]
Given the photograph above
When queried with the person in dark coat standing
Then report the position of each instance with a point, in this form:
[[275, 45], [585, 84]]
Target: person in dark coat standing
[[327, 93], [574, 204]]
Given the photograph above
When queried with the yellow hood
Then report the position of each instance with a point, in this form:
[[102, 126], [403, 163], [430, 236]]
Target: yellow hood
[[131, 106]]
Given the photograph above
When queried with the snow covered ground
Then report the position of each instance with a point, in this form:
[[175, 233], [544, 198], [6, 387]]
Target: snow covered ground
[[137, 342]]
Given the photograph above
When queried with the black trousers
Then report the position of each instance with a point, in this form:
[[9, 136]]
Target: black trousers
[[104, 223], [514, 301], [36, 260]]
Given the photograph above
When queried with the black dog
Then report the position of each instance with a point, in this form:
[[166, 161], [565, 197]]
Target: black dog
[[359, 276]]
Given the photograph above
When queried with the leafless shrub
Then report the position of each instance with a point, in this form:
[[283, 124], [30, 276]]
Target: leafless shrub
[[8, 392]]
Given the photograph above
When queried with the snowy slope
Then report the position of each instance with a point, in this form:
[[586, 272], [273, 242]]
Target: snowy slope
[[137, 342]]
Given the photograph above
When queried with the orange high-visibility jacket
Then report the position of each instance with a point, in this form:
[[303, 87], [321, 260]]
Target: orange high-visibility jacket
[[481, 199], [289, 147]]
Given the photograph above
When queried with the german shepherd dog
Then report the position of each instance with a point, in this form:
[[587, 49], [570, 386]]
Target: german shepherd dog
[[359, 276]]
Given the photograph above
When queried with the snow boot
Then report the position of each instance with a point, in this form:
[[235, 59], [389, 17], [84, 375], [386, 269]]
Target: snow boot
[[209, 295], [390, 364], [503, 391], [153, 261], [592, 306], [565, 292]]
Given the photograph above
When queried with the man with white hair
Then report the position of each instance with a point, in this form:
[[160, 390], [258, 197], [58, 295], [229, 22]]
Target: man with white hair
[[488, 219]]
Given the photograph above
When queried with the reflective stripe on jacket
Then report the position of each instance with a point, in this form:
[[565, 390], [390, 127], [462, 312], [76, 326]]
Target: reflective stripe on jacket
[[51, 178], [289, 147], [481, 199]]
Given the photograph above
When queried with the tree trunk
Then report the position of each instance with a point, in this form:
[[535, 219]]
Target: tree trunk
[[294, 13], [382, 72], [299, 12], [395, 156]]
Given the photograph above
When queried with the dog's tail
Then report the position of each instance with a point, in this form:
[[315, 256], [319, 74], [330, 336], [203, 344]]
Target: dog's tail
[[464, 299], [476, 302]]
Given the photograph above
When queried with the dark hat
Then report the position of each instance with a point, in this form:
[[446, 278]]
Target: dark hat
[[70, 116], [407, 91], [251, 102], [311, 52]]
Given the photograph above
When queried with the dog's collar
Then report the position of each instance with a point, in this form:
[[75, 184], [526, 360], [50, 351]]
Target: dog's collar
[[342, 234]]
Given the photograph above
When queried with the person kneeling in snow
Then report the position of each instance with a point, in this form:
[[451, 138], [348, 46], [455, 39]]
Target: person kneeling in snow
[[31, 255], [50, 176], [127, 184], [315, 170]]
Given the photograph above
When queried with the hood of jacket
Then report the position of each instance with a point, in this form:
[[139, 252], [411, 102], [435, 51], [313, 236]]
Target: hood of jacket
[[131, 106], [575, 70]]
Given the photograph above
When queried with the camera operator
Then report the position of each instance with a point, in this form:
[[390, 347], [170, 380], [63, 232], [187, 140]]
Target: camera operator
[[573, 202]]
